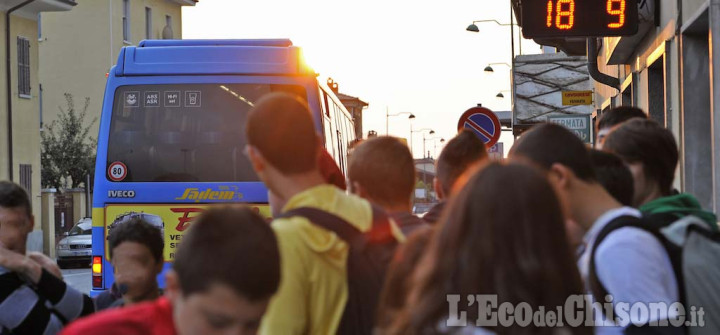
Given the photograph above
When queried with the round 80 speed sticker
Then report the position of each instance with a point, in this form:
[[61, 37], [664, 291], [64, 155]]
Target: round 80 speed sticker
[[117, 171]]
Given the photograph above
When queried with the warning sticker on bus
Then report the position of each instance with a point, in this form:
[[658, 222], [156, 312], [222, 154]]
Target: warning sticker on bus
[[172, 220]]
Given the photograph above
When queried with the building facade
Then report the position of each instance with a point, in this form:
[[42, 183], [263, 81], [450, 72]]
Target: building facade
[[78, 48], [20, 101], [667, 69], [355, 106]]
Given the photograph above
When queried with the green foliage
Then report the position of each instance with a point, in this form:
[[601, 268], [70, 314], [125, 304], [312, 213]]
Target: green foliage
[[68, 152]]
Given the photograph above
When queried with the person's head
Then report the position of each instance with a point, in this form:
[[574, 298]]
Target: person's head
[[613, 175], [613, 118], [225, 272], [460, 153], [400, 271], [566, 160], [281, 138], [382, 171], [503, 234], [651, 153], [16, 219], [136, 253], [329, 171]]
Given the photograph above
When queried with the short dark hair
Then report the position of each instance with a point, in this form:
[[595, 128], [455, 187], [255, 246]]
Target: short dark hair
[[646, 141], [547, 144], [140, 231], [281, 127], [618, 115], [613, 175], [459, 154], [231, 245], [13, 195], [385, 168]]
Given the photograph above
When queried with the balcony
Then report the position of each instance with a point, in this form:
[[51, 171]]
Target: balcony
[[32, 9], [184, 2]]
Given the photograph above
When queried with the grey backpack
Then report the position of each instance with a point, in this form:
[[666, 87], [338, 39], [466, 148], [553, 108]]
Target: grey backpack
[[694, 250]]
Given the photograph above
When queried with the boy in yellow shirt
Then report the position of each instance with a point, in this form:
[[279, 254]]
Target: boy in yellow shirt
[[283, 147]]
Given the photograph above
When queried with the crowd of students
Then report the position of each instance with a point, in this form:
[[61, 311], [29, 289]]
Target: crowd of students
[[555, 220]]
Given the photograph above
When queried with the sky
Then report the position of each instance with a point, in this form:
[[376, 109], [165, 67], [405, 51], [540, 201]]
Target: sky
[[398, 56]]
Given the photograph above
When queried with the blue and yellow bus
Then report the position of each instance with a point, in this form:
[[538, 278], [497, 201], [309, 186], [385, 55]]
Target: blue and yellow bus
[[171, 140]]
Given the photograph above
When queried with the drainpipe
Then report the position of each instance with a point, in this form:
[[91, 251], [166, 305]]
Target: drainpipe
[[9, 81], [593, 66], [714, 13]]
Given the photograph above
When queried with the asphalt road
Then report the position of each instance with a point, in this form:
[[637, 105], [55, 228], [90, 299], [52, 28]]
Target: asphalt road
[[79, 278]]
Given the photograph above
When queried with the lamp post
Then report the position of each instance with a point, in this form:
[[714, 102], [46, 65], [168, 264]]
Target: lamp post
[[417, 131], [424, 152], [474, 28], [388, 115]]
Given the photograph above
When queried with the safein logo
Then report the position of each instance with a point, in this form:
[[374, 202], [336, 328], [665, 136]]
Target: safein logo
[[222, 193]]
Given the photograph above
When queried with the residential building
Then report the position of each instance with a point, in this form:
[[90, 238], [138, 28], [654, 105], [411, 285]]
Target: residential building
[[20, 102], [353, 105], [78, 48]]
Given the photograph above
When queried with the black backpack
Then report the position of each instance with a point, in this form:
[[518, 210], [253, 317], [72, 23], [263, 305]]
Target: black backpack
[[694, 252], [368, 258]]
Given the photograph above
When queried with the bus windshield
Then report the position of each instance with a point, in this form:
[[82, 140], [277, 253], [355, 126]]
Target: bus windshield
[[184, 133]]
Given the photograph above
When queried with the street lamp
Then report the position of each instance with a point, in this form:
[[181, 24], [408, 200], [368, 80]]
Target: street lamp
[[425, 152], [489, 68], [500, 94], [442, 140], [388, 115], [474, 28], [417, 131]]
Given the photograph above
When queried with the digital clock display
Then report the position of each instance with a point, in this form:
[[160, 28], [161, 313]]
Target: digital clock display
[[578, 18]]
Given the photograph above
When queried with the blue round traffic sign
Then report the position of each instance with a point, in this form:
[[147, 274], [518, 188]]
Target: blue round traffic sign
[[483, 122]]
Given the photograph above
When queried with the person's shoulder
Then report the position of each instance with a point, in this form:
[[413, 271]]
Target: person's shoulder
[[138, 319], [104, 300], [109, 321], [630, 245], [350, 202]]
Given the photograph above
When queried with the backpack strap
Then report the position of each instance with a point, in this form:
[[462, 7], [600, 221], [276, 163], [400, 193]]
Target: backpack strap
[[327, 221], [597, 289], [380, 230]]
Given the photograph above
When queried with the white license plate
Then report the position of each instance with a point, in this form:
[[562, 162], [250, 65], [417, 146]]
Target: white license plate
[[81, 253]]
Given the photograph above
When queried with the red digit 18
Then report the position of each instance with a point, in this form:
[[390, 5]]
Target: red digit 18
[[619, 12], [560, 13]]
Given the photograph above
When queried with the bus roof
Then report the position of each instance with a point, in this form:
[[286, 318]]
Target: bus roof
[[219, 57]]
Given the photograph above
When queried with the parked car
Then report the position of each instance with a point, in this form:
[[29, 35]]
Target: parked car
[[76, 247]]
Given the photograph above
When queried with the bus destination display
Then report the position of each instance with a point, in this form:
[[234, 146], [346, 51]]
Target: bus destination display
[[579, 18]]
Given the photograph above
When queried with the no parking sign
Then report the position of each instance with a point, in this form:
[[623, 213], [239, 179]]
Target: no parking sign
[[483, 122]]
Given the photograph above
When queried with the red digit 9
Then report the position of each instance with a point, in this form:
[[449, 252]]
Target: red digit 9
[[619, 12]]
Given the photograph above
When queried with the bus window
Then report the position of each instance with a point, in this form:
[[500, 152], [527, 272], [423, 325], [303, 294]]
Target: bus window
[[188, 132], [350, 130], [329, 144], [341, 153], [325, 99]]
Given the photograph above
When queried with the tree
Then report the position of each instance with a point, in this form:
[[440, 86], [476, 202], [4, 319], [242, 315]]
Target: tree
[[68, 152]]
